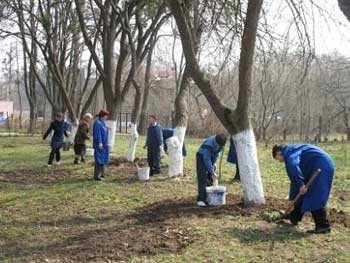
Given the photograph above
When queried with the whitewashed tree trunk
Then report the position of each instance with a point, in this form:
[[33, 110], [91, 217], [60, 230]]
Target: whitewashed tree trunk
[[112, 127], [175, 144], [249, 167], [73, 133], [134, 135]]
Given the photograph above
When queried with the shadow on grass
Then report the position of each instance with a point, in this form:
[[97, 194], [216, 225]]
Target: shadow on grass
[[278, 233]]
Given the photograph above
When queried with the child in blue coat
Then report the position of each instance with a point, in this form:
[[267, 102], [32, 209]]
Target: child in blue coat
[[206, 157], [301, 161], [154, 144], [100, 145], [232, 158], [58, 128], [167, 133]]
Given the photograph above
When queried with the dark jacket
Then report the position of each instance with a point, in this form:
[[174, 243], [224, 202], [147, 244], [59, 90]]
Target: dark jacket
[[154, 137], [232, 154], [82, 133], [58, 128]]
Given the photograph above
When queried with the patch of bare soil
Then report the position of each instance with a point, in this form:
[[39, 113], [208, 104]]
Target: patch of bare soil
[[37, 177], [339, 217], [155, 229], [169, 209], [121, 244], [121, 166], [343, 195], [186, 207]]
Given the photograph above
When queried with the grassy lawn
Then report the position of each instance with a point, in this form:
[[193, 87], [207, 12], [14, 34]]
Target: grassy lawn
[[59, 214]]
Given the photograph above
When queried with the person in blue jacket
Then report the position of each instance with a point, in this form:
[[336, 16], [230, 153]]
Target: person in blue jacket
[[100, 145], [58, 128], [206, 157], [167, 133], [301, 161], [154, 144], [232, 158]]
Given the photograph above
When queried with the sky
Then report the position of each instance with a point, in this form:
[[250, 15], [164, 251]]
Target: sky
[[329, 28]]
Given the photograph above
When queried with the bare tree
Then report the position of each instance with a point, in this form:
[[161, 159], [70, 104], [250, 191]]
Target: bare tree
[[235, 121], [344, 6], [112, 27]]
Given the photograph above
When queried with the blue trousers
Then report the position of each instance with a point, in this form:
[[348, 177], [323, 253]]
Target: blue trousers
[[153, 158], [204, 179]]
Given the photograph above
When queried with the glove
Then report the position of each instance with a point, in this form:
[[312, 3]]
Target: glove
[[100, 146]]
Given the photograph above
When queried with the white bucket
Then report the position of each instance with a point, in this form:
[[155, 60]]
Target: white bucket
[[90, 151], [143, 173], [216, 195]]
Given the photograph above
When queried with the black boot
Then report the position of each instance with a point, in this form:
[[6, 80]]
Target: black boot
[[76, 160], [321, 222]]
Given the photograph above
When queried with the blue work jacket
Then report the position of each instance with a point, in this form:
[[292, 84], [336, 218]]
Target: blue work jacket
[[100, 135], [301, 161], [210, 151]]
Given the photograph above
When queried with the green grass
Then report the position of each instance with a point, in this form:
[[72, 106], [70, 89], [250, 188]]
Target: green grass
[[43, 211]]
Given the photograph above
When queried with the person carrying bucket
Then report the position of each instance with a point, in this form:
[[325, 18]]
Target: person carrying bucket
[[302, 161], [206, 157]]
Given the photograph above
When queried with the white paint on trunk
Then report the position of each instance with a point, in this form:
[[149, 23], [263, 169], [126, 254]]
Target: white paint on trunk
[[245, 143], [175, 144], [134, 135], [73, 132], [112, 129]]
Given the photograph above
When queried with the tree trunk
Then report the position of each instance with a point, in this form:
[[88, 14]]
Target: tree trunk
[[344, 6], [147, 89], [236, 122], [245, 140], [134, 135], [181, 117], [144, 108]]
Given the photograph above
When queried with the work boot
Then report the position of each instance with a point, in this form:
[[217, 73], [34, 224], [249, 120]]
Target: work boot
[[320, 230], [76, 160]]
